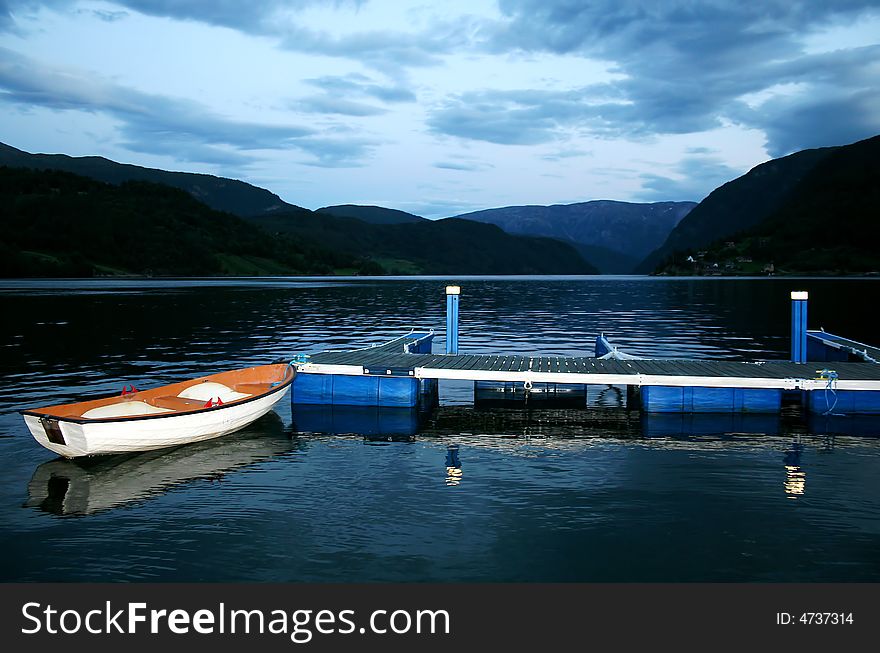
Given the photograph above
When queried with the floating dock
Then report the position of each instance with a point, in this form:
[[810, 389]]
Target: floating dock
[[405, 373], [822, 346]]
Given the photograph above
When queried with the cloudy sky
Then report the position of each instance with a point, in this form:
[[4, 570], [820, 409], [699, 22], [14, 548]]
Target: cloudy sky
[[442, 107]]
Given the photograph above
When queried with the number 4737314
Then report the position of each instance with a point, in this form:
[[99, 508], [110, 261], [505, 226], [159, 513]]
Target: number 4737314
[[815, 618]]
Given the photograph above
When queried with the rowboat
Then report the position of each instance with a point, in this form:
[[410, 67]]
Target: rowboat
[[189, 411]]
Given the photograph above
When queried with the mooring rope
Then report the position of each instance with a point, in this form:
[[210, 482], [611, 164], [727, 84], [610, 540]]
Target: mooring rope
[[832, 377]]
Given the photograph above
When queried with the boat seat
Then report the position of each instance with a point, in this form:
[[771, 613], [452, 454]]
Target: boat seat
[[176, 403], [253, 388], [124, 409], [208, 390]]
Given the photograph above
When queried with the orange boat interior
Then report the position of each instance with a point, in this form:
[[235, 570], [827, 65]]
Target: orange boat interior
[[195, 394]]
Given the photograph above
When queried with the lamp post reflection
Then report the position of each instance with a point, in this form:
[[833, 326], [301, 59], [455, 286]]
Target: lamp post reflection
[[453, 465], [795, 477]]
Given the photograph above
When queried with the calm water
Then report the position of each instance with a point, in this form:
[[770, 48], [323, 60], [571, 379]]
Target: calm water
[[463, 494]]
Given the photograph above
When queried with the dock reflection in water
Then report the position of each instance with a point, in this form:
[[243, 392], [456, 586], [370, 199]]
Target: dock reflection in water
[[373, 422], [527, 432], [453, 465], [91, 485]]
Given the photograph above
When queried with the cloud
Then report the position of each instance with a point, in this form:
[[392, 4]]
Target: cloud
[[684, 34], [162, 124], [335, 105], [567, 153], [840, 104], [684, 66], [360, 85], [27, 82], [109, 16], [258, 18], [184, 149], [391, 93], [523, 117], [7, 22], [795, 124], [385, 50], [336, 152], [338, 91], [464, 166], [695, 177], [495, 117], [679, 67]]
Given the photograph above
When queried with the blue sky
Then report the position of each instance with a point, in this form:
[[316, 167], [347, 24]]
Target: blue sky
[[446, 107]]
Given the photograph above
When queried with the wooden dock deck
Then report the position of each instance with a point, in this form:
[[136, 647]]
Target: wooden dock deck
[[392, 359]]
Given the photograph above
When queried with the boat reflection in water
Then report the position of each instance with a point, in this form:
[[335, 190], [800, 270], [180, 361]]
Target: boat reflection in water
[[89, 485]]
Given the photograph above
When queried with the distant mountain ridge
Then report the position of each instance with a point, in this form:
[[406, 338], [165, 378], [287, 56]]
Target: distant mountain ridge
[[219, 193], [371, 214], [448, 246], [632, 230]]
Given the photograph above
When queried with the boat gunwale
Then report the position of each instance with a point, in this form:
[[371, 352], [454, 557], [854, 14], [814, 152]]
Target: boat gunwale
[[176, 413]]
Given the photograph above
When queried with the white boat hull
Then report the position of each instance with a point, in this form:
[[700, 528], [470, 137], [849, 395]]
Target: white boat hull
[[83, 438]]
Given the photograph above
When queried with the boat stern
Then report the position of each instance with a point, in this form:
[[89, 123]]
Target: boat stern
[[60, 436]]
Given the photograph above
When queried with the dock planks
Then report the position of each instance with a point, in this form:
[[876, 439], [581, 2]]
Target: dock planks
[[588, 370]]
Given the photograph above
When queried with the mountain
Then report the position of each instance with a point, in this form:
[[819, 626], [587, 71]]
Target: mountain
[[219, 193], [449, 246], [607, 261], [58, 224], [630, 229], [371, 214], [738, 205], [827, 222]]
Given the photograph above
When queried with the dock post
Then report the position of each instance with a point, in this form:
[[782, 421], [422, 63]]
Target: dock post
[[452, 293], [799, 326]]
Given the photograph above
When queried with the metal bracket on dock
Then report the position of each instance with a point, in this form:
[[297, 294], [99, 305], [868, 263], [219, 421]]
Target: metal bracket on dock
[[389, 371], [323, 368]]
